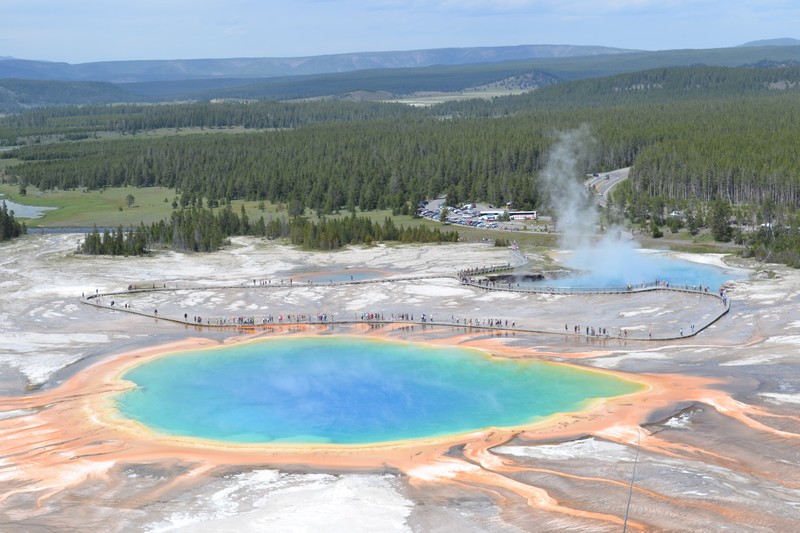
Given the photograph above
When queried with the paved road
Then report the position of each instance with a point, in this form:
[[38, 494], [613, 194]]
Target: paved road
[[606, 181]]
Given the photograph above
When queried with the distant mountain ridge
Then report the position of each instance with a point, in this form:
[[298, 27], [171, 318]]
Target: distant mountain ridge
[[785, 41], [471, 70], [190, 69]]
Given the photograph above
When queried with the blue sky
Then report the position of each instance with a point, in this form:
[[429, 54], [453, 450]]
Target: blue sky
[[96, 30]]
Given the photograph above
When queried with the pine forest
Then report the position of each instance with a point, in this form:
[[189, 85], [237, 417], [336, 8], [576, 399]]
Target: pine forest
[[719, 144]]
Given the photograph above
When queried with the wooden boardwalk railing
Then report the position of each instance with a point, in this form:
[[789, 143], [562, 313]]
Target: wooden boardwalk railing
[[466, 277]]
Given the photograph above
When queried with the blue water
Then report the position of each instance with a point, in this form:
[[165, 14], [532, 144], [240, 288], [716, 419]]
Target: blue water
[[621, 266], [25, 211], [347, 390]]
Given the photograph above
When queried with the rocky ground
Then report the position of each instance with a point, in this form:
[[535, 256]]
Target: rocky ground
[[718, 437]]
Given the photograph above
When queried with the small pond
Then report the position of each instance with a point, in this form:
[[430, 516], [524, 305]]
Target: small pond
[[25, 211]]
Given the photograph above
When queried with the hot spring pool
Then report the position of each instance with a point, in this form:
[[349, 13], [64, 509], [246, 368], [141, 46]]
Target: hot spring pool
[[621, 266], [348, 390]]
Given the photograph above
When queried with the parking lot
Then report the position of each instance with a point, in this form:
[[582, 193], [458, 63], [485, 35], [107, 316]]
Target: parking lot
[[482, 216]]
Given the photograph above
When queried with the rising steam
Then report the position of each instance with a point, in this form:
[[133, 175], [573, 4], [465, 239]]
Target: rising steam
[[569, 201], [609, 259]]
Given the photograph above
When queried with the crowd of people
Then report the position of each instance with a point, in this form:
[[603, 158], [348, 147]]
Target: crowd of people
[[364, 316], [465, 276], [591, 331], [382, 317], [252, 320]]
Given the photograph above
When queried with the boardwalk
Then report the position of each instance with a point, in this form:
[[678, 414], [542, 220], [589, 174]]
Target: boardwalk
[[118, 301]]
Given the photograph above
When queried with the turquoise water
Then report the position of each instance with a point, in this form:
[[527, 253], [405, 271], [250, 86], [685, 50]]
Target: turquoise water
[[350, 391], [621, 266]]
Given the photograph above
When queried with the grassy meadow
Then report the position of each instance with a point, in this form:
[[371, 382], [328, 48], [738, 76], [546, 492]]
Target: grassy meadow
[[109, 207]]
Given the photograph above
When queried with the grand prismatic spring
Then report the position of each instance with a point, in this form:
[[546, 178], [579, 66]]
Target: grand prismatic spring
[[703, 438], [346, 390]]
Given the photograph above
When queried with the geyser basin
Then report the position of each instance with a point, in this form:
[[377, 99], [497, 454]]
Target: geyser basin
[[349, 390]]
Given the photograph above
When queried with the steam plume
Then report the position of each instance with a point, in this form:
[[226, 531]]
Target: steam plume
[[608, 260], [568, 199]]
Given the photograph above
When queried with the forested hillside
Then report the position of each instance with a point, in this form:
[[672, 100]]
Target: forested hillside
[[18, 95], [70, 123], [370, 164], [649, 86], [334, 155], [716, 143]]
